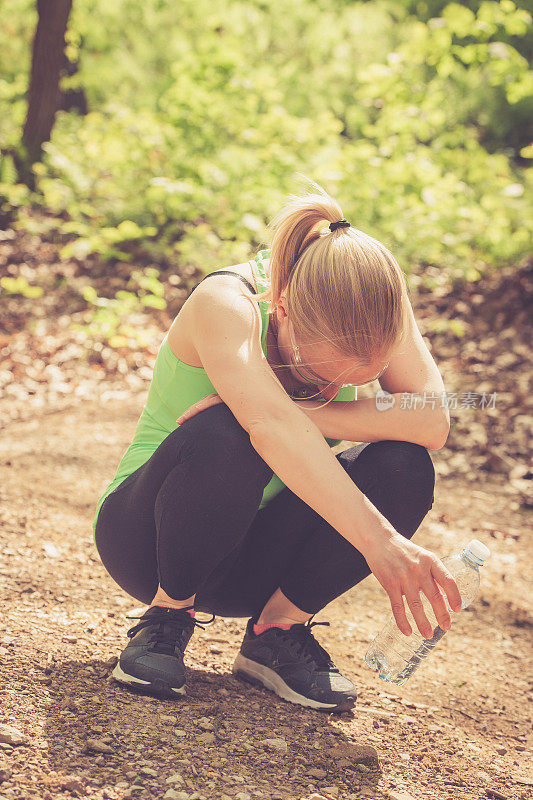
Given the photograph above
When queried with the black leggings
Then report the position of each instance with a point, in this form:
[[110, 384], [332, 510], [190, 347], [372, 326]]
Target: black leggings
[[188, 519]]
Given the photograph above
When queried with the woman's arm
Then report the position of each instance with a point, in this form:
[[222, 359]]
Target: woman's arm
[[363, 421], [416, 411]]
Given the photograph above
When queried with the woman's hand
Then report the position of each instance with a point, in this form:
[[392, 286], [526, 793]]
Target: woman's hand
[[206, 402], [404, 568]]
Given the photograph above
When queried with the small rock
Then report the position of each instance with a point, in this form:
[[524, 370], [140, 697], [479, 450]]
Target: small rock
[[317, 773], [410, 704], [73, 784], [11, 735], [206, 738], [172, 794], [400, 796], [131, 774], [495, 794], [98, 746], [501, 751], [176, 778], [51, 550], [384, 716], [205, 724], [243, 796], [149, 773], [5, 774], [332, 790], [275, 744], [356, 754], [168, 719], [180, 733]]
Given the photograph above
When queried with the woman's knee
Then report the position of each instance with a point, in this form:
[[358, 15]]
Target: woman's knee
[[401, 477], [216, 434], [404, 460]]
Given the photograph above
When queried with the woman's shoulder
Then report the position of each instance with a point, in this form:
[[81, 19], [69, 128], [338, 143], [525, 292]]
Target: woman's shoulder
[[245, 270], [180, 337]]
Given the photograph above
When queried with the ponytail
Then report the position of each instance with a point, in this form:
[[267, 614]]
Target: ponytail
[[342, 286]]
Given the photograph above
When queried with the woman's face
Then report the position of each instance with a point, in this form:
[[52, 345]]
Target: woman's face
[[322, 358]]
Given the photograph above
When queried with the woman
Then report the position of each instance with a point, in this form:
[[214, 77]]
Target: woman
[[229, 498]]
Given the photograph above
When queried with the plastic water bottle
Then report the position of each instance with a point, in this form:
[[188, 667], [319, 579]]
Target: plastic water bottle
[[396, 656]]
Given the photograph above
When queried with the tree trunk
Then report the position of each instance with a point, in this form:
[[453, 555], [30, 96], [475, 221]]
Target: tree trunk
[[44, 93]]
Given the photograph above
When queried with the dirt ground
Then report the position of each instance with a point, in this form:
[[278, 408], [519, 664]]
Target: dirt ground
[[458, 729]]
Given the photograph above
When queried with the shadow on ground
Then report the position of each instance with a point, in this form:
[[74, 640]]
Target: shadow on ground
[[224, 734]]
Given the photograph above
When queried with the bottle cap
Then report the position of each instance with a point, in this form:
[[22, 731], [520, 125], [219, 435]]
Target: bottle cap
[[479, 550]]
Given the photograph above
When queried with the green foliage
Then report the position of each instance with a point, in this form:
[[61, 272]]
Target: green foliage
[[103, 241], [17, 26], [460, 207], [202, 114], [109, 320], [455, 326], [19, 285]]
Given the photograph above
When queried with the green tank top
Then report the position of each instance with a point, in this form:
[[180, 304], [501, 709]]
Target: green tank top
[[175, 386]]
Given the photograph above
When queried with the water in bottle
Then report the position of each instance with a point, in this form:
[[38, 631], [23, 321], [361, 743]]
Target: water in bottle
[[396, 656]]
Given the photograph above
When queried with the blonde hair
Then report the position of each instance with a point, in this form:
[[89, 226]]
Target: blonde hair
[[343, 287]]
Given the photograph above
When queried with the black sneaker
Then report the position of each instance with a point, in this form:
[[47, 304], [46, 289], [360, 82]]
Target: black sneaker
[[295, 666], [153, 660]]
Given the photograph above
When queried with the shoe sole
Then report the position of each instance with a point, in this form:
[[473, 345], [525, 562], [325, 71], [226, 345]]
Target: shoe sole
[[157, 687], [259, 675]]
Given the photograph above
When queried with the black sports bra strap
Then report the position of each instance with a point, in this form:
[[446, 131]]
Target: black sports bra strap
[[227, 272]]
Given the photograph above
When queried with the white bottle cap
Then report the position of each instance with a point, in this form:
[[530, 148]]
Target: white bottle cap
[[479, 550]]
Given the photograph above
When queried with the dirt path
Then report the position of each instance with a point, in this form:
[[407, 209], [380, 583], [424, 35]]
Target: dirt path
[[457, 730]]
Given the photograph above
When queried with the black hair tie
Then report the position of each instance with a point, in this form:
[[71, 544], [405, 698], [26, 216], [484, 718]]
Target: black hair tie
[[340, 224]]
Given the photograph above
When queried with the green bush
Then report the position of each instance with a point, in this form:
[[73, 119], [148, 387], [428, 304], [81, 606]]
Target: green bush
[[202, 114]]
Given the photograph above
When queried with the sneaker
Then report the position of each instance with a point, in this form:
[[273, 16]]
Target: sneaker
[[295, 666], [153, 660]]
